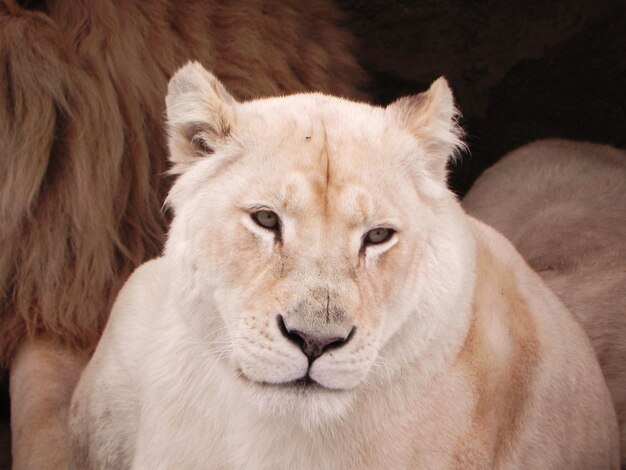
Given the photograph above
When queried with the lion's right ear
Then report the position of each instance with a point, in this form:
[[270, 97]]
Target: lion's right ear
[[200, 115], [431, 118]]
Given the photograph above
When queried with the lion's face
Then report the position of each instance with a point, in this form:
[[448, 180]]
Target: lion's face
[[305, 219]]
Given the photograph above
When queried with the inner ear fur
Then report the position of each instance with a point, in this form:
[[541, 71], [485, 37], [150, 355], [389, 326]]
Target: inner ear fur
[[432, 118], [200, 114]]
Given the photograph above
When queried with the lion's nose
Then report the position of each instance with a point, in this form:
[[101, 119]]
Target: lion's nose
[[312, 345]]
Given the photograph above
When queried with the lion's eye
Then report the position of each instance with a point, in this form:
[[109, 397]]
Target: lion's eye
[[378, 235], [266, 219]]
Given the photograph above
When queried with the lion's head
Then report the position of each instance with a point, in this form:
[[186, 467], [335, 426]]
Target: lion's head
[[309, 231]]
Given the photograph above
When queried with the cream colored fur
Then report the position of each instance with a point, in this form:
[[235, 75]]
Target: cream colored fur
[[563, 205], [43, 375], [460, 356]]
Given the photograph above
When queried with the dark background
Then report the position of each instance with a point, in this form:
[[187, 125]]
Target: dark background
[[521, 70]]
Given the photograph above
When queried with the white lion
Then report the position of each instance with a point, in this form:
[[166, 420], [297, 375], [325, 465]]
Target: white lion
[[324, 302]]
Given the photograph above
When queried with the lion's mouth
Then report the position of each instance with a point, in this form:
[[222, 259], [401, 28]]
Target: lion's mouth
[[303, 384]]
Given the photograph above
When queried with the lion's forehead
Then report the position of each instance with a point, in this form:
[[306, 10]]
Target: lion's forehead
[[310, 128], [345, 175], [321, 162]]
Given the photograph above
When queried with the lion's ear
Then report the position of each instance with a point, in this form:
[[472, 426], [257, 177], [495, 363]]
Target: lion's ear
[[200, 114], [432, 119]]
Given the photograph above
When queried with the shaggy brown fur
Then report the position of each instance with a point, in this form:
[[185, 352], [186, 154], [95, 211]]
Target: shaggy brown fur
[[81, 141]]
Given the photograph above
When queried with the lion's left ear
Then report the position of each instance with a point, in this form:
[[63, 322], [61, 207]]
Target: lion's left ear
[[432, 119], [200, 115]]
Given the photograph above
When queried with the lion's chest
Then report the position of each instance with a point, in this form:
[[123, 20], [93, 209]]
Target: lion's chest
[[380, 434]]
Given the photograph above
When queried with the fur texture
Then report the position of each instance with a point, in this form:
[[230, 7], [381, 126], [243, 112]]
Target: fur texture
[[563, 205], [447, 350], [43, 374], [81, 146]]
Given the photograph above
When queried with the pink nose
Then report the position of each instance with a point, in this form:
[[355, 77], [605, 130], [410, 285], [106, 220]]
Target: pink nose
[[313, 346]]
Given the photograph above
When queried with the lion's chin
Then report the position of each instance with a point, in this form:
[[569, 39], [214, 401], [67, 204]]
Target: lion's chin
[[304, 401]]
